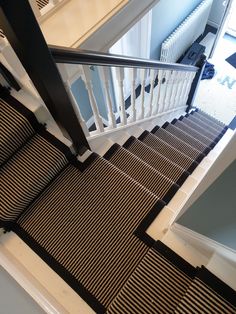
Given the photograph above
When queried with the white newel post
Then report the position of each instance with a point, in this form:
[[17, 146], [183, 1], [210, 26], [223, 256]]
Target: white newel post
[[86, 77], [133, 78], [143, 73], [121, 102], [104, 77]]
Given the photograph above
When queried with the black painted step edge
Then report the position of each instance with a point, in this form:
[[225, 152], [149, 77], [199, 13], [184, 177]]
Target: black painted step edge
[[60, 270], [130, 140], [140, 231], [175, 259], [217, 285]]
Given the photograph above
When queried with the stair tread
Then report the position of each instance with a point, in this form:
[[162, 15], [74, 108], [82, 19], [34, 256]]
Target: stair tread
[[205, 149], [168, 151], [210, 118], [143, 173], [207, 294], [156, 286], [177, 143], [27, 173], [182, 126], [168, 168], [97, 211], [204, 131], [15, 129], [205, 123]]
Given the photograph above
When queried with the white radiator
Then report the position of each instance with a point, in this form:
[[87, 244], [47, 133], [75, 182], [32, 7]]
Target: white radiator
[[186, 33]]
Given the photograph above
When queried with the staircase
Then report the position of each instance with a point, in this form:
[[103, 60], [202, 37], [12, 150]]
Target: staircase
[[88, 220]]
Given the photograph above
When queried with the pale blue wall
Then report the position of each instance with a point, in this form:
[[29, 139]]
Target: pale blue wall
[[214, 213], [166, 16], [80, 93]]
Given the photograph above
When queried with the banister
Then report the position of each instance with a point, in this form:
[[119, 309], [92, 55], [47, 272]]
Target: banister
[[75, 56]]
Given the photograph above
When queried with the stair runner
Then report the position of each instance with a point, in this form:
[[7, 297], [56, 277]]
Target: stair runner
[[88, 220]]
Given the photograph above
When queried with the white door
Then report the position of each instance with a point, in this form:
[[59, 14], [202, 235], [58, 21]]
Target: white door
[[223, 13]]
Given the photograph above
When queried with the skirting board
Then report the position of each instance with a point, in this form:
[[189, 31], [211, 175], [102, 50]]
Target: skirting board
[[204, 244]]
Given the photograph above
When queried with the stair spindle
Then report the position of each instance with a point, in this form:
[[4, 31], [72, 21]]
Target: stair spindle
[[152, 82], [174, 88], [120, 79], [86, 77], [104, 76], [133, 78], [158, 91], [143, 73]]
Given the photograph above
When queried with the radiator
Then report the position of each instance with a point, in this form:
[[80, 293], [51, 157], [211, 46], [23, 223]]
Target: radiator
[[186, 33]]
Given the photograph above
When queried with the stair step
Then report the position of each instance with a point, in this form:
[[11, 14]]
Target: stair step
[[177, 143], [141, 172], [207, 294], [168, 151], [163, 165], [205, 123], [157, 285], [90, 213], [187, 138], [28, 172], [16, 126], [202, 138], [213, 135], [209, 118]]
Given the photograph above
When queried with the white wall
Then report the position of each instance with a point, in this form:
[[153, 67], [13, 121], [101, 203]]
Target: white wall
[[217, 12]]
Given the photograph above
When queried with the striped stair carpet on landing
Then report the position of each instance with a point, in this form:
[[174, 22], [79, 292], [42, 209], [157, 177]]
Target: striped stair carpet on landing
[[97, 211], [88, 220]]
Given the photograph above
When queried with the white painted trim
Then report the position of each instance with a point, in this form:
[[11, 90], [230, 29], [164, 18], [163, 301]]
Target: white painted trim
[[40, 295], [107, 131], [213, 24], [109, 33], [203, 243]]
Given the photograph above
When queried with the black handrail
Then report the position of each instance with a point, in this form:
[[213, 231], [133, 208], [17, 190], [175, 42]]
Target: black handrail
[[75, 56]]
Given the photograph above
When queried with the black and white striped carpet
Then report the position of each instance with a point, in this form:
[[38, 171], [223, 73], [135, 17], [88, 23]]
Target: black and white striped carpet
[[88, 220]]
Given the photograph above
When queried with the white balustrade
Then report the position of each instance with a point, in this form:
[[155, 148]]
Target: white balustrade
[[86, 77], [105, 78], [121, 100]]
